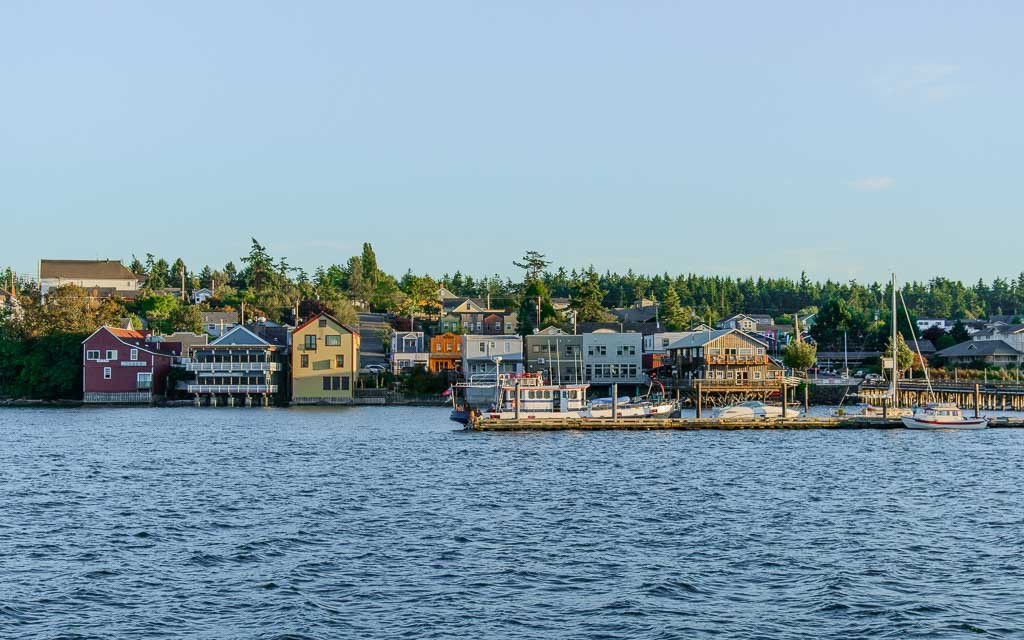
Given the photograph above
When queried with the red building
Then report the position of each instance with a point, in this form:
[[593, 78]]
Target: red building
[[119, 365]]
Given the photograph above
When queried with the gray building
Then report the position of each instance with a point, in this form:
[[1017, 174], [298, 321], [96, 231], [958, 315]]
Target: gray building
[[408, 349], [556, 354], [613, 358], [488, 354]]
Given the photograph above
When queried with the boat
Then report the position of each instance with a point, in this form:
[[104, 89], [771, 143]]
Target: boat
[[942, 415], [527, 396], [752, 409]]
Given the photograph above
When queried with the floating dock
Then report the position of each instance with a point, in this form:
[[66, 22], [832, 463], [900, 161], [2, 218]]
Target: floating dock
[[707, 424]]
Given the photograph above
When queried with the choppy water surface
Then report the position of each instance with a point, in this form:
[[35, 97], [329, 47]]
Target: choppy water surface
[[241, 523]]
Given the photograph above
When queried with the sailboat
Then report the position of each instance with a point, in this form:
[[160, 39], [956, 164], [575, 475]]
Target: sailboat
[[934, 415]]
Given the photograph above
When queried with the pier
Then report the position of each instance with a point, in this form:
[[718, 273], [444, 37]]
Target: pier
[[708, 424]]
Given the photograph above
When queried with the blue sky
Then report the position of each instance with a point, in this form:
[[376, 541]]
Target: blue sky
[[732, 138]]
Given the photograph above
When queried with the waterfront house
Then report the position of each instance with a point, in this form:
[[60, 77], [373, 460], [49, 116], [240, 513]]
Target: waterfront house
[[487, 354], [188, 340], [613, 358], [218, 323], [445, 353], [555, 354], [982, 353], [120, 366], [408, 349], [238, 365], [728, 356], [324, 361], [100, 278]]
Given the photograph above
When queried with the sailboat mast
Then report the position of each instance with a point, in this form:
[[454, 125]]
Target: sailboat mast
[[895, 351]]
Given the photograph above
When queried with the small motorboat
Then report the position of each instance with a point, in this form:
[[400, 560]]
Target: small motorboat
[[942, 415], [752, 409], [867, 410]]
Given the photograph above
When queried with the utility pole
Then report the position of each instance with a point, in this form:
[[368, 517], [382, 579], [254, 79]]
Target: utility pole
[[182, 283], [538, 312]]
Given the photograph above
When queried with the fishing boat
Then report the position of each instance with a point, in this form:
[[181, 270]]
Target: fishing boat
[[942, 415]]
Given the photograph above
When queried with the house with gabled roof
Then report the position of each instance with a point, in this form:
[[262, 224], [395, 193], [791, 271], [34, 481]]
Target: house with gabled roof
[[325, 361], [100, 278], [982, 353], [124, 366], [238, 367], [727, 356]]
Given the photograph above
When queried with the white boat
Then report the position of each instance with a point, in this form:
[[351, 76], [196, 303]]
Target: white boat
[[942, 415], [752, 409], [646, 406]]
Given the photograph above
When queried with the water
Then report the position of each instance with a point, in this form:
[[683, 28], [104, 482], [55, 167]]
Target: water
[[386, 523]]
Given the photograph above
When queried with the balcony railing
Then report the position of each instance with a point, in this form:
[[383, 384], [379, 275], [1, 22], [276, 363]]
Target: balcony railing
[[735, 359], [232, 366], [232, 388]]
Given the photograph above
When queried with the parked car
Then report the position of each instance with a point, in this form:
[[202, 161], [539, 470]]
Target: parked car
[[376, 368], [873, 377], [859, 374]]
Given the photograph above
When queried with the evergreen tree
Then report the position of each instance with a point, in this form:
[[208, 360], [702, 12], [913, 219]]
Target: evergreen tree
[[260, 267], [675, 317], [587, 298]]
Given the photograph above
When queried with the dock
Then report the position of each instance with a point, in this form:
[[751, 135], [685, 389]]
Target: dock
[[708, 424]]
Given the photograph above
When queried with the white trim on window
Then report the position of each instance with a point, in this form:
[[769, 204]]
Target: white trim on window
[[92, 354], [134, 354], [107, 373]]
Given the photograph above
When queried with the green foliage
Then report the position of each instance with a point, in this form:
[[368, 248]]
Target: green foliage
[[587, 296], [421, 381], [534, 263], [536, 296], [959, 333], [800, 356], [905, 355], [675, 316]]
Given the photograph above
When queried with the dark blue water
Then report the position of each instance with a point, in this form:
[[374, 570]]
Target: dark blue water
[[386, 523]]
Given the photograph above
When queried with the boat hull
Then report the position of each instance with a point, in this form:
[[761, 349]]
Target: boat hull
[[970, 424]]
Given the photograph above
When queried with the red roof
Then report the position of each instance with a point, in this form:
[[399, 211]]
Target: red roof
[[126, 333]]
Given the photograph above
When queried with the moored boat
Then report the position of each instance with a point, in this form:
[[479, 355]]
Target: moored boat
[[942, 415], [752, 409]]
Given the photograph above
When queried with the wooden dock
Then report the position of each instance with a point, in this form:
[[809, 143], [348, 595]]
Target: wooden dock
[[706, 424]]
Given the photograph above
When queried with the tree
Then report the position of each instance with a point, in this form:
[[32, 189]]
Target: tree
[[905, 355], [536, 298], [675, 317], [959, 333], [800, 356], [587, 297], [368, 259], [260, 267], [534, 263], [185, 317], [834, 319]]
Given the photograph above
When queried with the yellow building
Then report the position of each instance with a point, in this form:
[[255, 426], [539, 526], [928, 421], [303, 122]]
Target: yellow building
[[325, 361]]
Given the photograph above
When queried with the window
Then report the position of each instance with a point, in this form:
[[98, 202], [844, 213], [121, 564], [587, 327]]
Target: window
[[311, 343], [439, 347], [757, 375], [536, 348], [339, 361], [111, 354], [625, 350], [664, 342], [323, 322], [483, 347], [344, 383], [304, 361], [508, 347], [92, 354], [106, 373], [760, 351], [449, 347], [332, 341], [714, 351], [746, 351], [144, 381], [134, 354], [336, 383], [327, 383]]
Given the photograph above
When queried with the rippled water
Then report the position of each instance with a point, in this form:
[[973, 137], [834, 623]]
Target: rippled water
[[384, 523]]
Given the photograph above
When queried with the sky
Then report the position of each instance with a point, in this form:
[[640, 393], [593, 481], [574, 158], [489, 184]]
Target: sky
[[846, 140]]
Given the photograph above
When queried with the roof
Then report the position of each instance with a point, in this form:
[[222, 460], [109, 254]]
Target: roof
[[926, 346], [127, 333], [701, 338], [240, 336], [636, 314], [324, 314], [979, 348], [84, 269], [216, 317]]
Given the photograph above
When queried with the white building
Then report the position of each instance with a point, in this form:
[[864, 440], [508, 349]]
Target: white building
[[613, 358], [487, 354], [924, 324], [200, 296]]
